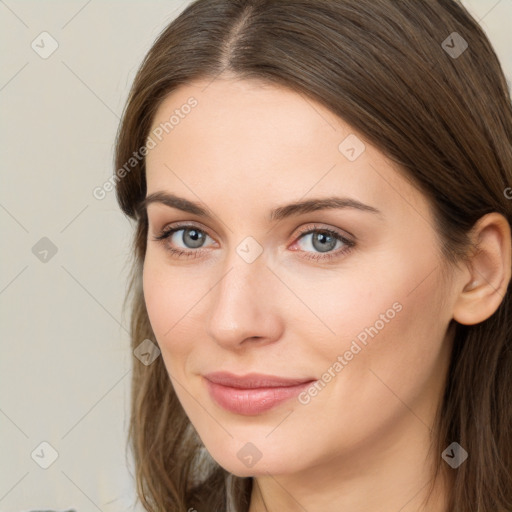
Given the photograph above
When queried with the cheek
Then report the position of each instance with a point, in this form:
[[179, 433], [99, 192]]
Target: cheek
[[170, 299], [403, 352], [348, 307], [391, 300], [391, 323], [392, 355]]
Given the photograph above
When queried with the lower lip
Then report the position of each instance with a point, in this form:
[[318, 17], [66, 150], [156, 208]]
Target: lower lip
[[251, 402]]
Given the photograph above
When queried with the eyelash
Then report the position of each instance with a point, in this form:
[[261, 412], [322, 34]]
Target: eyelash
[[194, 253]]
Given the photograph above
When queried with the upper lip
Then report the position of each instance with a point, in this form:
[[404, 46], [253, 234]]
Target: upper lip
[[253, 380]]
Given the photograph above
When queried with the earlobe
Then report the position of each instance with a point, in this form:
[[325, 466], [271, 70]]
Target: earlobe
[[490, 271]]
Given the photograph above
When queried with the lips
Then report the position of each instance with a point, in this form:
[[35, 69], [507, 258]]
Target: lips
[[253, 393]]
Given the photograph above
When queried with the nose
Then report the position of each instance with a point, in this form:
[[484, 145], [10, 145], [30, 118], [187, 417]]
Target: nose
[[244, 305]]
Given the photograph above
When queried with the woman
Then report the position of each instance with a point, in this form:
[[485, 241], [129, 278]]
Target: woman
[[321, 191]]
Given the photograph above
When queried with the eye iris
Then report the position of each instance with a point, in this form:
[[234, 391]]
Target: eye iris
[[323, 241], [197, 238], [331, 241]]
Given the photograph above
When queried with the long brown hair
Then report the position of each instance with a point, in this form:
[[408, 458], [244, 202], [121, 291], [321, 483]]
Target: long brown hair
[[388, 68]]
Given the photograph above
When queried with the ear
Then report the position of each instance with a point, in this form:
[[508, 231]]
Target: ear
[[489, 271]]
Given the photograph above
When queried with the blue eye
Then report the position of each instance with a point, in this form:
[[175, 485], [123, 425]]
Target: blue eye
[[191, 235], [324, 240]]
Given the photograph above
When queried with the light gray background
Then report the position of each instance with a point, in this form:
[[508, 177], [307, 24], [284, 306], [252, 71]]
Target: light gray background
[[65, 363]]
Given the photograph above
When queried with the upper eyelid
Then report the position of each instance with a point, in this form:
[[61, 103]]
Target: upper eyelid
[[175, 226], [200, 224]]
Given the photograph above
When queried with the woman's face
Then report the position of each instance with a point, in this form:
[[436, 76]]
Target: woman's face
[[263, 288]]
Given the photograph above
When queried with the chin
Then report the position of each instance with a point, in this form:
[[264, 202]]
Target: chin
[[245, 459]]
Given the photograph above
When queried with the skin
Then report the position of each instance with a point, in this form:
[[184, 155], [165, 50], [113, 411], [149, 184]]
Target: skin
[[362, 443]]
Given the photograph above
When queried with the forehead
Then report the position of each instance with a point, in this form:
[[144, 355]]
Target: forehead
[[256, 140]]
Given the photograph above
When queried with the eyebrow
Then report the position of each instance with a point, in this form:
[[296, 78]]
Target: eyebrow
[[282, 212]]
